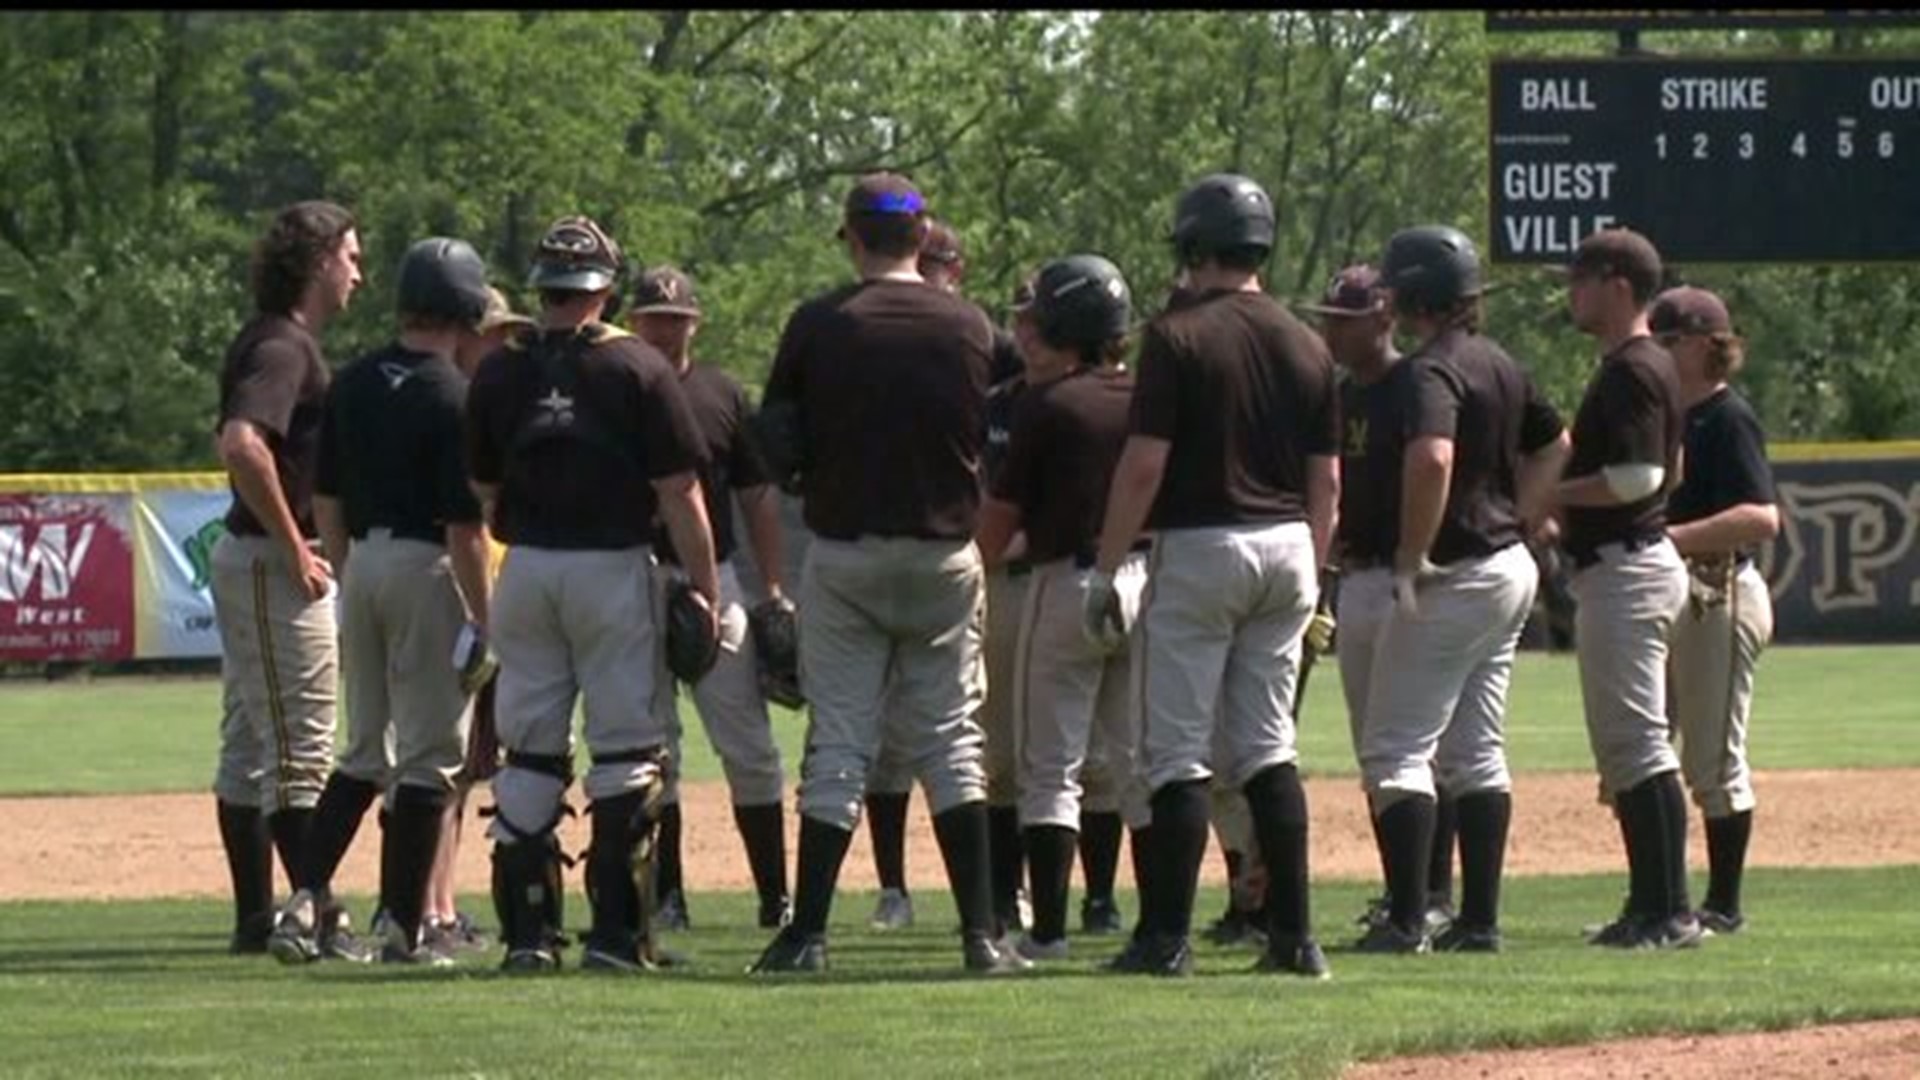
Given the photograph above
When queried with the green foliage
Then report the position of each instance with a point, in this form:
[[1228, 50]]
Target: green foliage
[[148, 148], [145, 989]]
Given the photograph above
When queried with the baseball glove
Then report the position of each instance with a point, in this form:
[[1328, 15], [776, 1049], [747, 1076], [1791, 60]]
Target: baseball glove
[[776, 646], [693, 645]]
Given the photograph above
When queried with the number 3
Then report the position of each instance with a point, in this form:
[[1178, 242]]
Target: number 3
[[1746, 144]]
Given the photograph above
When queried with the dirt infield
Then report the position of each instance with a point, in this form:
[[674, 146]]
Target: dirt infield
[[167, 845]]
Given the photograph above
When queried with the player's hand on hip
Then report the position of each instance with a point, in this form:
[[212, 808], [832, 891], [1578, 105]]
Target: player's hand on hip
[[311, 575], [1101, 618], [1410, 571]]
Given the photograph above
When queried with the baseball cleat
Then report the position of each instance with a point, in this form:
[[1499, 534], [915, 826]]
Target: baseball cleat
[[775, 912], [1100, 915], [1237, 927], [1714, 923], [337, 940], [1682, 931], [673, 912], [1376, 913], [250, 937], [1166, 955], [614, 959], [894, 911], [1295, 957], [985, 956], [530, 962], [1459, 937], [1034, 949], [453, 935], [792, 952], [1391, 938], [293, 940]]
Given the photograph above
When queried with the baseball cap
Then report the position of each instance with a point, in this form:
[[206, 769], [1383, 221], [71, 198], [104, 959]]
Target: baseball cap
[[885, 193], [1688, 310], [665, 290], [1619, 253], [499, 313], [1356, 290], [575, 253]]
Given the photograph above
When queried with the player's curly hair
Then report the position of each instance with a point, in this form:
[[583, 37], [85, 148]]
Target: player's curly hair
[[285, 258]]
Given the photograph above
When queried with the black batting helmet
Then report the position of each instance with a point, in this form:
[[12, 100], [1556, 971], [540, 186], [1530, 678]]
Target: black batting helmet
[[1222, 213], [1080, 300], [1430, 268], [576, 255], [443, 278]]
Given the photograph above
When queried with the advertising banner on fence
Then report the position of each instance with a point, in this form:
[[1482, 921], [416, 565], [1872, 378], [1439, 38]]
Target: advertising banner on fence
[[66, 577], [1846, 566], [177, 530]]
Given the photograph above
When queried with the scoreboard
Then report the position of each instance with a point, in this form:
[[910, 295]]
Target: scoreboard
[[1801, 160]]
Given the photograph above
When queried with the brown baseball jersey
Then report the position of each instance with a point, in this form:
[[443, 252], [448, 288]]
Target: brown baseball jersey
[[1370, 466], [1067, 435], [720, 413], [390, 446], [1255, 390], [275, 378], [891, 380], [1631, 414]]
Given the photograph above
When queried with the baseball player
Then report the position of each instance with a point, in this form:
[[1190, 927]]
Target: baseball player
[[1232, 458], [272, 588], [402, 529], [446, 928], [1461, 451], [1067, 434], [1722, 511], [876, 400], [1630, 582], [666, 314], [575, 435]]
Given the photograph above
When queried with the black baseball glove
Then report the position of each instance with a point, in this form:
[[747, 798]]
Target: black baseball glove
[[693, 645], [776, 646]]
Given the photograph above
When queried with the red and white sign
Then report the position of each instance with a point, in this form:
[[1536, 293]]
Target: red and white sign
[[66, 577]]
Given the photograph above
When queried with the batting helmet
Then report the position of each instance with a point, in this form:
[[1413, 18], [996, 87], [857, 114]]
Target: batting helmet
[[1221, 213], [443, 278], [577, 255], [1081, 299], [1430, 268]]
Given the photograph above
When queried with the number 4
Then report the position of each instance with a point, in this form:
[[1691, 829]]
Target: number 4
[[1800, 145]]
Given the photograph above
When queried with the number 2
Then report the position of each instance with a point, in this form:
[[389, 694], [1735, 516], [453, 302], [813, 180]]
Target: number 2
[[1699, 146]]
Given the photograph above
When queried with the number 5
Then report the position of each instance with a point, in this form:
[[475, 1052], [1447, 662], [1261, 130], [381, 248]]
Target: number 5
[[1846, 144]]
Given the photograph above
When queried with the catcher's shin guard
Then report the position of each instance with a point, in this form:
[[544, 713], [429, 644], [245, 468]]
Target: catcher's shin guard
[[620, 869], [529, 892]]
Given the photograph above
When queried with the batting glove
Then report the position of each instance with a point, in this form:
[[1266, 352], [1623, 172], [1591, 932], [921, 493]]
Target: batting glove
[[1100, 616], [1320, 630]]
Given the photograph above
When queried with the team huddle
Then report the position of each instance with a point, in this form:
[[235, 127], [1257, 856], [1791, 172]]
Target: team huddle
[[1068, 574]]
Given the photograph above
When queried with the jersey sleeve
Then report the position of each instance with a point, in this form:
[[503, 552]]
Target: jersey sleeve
[[745, 467], [483, 449], [266, 386], [326, 474], [1434, 393], [1155, 411], [1323, 432], [1540, 422], [1017, 480], [1636, 423], [784, 379], [670, 436], [458, 505], [1747, 476]]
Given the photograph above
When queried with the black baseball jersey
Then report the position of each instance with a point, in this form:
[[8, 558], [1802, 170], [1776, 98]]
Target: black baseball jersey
[[1370, 443], [275, 378], [1001, 403], [720, 413], [1244, 393], [1726, 462], [573, 426], [1006, 358], [1067, 437], [390, 449], [1631, 414], [1467, 389], [890, 377]]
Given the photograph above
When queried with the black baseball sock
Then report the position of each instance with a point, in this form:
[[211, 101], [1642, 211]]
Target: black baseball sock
[[1673, 846], [1279, 805], [406, 854], [249, 864], [1180, 840], [962, 833], [1446, 826], [1407, 829], [290, 829], [1626, 810], [822, 848], [1484, 818], [1100, 836], [1236, 864], [1727, 860], [1647, 817], [887, 828], [1007, 856], [1050, 850], [763, 830], [667, 852], [1141, 851], [336, 821]]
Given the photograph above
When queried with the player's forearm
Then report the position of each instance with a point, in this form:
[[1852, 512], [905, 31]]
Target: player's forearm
[[1426, 474], [489, 496], [1539, 473], [762, 511], [1136, 483], [256, 479], [1323, 504], [998, 522], [1736, 527], [467, 552], [330, 520], [684, 507]]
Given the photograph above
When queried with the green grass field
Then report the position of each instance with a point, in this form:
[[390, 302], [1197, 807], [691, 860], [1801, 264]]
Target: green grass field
[[1819, 707], [145, 988]]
